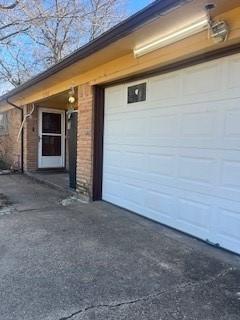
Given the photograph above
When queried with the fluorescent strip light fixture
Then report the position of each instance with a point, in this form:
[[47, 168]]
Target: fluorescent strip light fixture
[[187, 31]]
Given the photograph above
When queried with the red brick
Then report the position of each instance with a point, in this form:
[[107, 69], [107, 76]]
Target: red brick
[[85, 140], [10, 148]]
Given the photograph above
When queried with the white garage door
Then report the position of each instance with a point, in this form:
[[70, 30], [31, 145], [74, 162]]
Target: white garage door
[[175, 157]]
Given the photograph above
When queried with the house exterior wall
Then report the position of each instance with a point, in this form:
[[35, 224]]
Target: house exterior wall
[[122, 66], [10, 148], [85, 140], [30, 140]]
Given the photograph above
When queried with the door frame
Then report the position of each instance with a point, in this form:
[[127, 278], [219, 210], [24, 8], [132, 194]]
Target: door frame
[[72, 149], [63, 136]]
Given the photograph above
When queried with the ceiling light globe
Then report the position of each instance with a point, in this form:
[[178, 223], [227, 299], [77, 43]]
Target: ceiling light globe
[[71, 99]]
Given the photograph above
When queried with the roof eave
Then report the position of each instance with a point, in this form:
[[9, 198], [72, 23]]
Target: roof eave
[[154, 10]]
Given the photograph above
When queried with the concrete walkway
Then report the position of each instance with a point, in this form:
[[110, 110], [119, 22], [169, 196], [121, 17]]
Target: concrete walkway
[[56, 180], [96, 261]]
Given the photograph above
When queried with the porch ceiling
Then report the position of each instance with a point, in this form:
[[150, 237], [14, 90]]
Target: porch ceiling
[[58, 101]]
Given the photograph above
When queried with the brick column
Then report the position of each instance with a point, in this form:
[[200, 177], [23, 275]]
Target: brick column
[[30, 140], [85, 141], [10, 147]]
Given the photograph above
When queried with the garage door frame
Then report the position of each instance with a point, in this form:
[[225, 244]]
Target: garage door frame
[[99, 102]]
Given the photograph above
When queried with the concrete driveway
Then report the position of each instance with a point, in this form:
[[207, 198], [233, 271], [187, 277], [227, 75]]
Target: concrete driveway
[[96, 261]]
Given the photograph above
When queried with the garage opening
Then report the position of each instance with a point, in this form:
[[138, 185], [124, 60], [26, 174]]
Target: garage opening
[[172, 152]]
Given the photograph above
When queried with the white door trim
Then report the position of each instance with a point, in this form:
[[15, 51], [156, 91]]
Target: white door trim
[[59, 161]]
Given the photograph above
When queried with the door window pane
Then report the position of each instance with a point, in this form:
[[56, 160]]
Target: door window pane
[[51, 122], [51, 146]]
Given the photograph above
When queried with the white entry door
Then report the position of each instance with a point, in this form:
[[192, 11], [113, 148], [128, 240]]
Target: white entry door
[[174, 156], [51, 152]]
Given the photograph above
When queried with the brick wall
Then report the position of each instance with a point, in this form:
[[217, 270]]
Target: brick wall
[[30, 140], [10, 148], [85, 141]]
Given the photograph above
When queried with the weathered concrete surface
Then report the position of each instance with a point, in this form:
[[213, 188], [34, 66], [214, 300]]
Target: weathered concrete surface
[[96, 261]]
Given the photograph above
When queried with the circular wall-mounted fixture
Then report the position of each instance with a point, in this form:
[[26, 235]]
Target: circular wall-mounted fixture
[[71, 99], [71, 96]]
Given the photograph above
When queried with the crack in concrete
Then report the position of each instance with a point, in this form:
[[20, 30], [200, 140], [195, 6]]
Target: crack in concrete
[[14, 210], [34, 209], [151, 296]]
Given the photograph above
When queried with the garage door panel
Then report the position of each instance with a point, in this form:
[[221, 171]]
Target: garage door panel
[[178, 212], [232, 127], [193, 216], [231, 132], [113, 158], [136, 130], [198, 124], [203, 82], [135, 161], [164, 202], [194, 79], [226, 194], [232, 73], [164, 126], [175, 157], [113, 129], [190, 170], [113, 188], [162, 142], [160, 183], [200, 189], [129, 204], [133, 177], [194, 213], [198, 128], [161, 164], [133, 192], [197, 170], [165, 88], [230, 175], [115, 98], [229, 224]]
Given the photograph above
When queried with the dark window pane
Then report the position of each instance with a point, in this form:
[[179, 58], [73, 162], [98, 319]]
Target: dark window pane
[[51, 122], [137, 93], [51, 146]]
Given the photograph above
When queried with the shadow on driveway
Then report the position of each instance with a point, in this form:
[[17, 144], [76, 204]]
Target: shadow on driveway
[[96, 261]]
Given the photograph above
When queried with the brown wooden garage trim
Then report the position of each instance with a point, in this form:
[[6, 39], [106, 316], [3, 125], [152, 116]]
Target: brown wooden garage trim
[[99, 105], [204, 57], [98, 117]]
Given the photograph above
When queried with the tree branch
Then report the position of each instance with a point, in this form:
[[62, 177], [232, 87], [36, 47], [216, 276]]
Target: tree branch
[[9, 7]]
